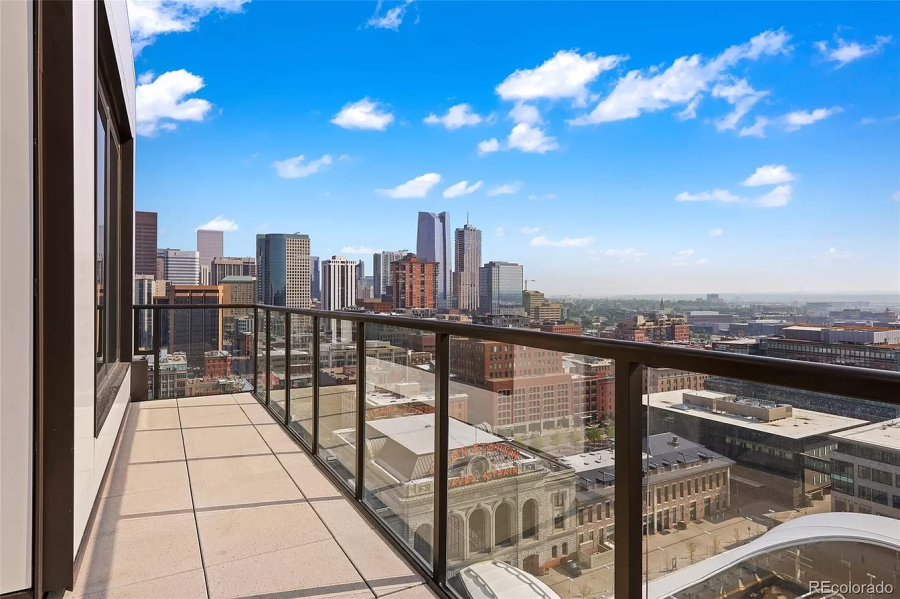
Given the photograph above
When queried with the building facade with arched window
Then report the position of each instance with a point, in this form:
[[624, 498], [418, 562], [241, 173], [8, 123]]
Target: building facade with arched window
[[505, 503]]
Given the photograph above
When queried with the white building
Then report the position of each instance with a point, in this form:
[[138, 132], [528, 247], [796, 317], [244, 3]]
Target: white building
[[865, 470], [339, 293], [182, 267]]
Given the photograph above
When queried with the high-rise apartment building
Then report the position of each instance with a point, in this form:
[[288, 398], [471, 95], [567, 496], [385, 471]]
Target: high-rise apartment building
[[231, 267], [143, 294], [316, 280], [415, 283], [433, 245], [237, 289], [160, 267], [194, 332], [145, 228], [210, 244], [381, 271], [181, 267], [468, 261], [500, 288], [339, 293], [283, 270]]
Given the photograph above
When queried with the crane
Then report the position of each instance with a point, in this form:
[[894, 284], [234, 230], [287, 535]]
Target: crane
[[529, 281]]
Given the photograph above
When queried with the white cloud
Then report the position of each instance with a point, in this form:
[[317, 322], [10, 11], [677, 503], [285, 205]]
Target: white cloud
[[833, 254], [684, 253], [628, 253], [769, 174], [499, 232], [415, 188], [353, 250], [846, 52], [881, 121], [690, 111], [391, 19], [716, 195], [457, 116], [800, 118], [566, 75], [757, 129], [530, 230], [145, 78], [546, 196], [565, 242], [364, 114], [219, 223], [528, 138], [293, 168], [151, 18], [717, 232], [702, 261], [683, 81], [487, 146], [778, 197], [506, 188], [739, 94], [525, 113], [165, 99], [896, 196], [462, 188]]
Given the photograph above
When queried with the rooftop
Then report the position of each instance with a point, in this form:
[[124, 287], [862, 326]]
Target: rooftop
[[238, 279], [883, 435], [209, 497], [801, 423]]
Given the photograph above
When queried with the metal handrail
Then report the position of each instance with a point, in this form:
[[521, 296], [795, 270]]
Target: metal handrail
[[630, 358]]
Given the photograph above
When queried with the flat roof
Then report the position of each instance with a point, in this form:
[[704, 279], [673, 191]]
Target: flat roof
[[802, 423], [879, 434], [416, 433]]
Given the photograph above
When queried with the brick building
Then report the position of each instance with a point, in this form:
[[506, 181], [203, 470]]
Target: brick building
[[563, 329], [217, 364], [640, 328], [415, 283]]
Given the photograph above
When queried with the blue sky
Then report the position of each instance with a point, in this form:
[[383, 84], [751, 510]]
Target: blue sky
[[610, 148]]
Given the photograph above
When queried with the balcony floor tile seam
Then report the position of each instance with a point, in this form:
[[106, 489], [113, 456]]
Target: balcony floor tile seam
[[302, 543], [327, 527], [103, 592], [193, 506]]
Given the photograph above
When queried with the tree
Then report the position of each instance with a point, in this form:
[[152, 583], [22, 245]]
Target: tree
[[692, 549], [586, 591], [716, 545], [537, 443], [594, 434], [576, 437], [587, 322], [557, 438], [737, 535], [611, 430]]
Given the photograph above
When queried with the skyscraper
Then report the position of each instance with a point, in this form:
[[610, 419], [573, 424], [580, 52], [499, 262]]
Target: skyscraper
[[283, 270], [316, 285], [181, 267], [433, 245], [338, 293], [210, 244], [468, 261], [145, 243], [381, 270], [415, 283], [500, 286], [231, 267]]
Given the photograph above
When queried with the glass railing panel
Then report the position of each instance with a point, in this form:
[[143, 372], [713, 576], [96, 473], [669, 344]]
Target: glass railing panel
[[337, 373], [531, 493], [400, 451], [278, 368], [259, 346], [758, 490], [301, 377]]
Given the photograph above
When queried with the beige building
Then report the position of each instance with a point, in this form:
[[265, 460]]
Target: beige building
[[657, 380], [548, 311], [237, 290], [468, 261], [532, 300]]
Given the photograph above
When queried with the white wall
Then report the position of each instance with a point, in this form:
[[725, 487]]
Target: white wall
[[91, 455], [16, 407]]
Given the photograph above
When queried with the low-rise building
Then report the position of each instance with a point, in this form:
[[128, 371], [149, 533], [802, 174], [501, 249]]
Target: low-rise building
[[865, 470], [662, 328], [672, 379]]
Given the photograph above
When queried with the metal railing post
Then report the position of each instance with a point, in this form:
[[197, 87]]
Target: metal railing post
[[268, 353], [157, 341], [255, 352], [360, 407], [629, 479], [315, 386], [441, 456], [287, 368]]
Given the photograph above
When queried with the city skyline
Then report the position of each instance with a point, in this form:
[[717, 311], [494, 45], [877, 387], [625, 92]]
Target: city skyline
[[741, 181]]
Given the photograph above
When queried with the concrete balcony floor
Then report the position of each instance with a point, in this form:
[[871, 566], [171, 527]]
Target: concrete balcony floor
[[208, 497]]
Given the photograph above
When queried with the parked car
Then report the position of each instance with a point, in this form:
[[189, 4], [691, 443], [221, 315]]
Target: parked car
[[570, 567]]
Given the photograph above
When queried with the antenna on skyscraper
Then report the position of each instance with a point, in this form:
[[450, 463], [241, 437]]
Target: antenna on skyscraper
[[467, 219]]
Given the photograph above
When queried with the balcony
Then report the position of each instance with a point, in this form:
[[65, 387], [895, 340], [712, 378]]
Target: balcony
[[210, 497], [541, 484]]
